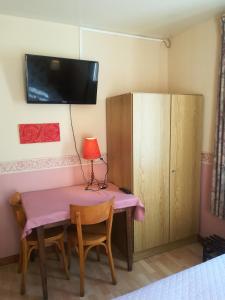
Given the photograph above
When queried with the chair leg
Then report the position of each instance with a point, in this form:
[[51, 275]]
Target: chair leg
[[24, 268], [65, 265], [19, 269], [98, 252], [111, 264], [69, 250], [81, 262], [57, 251]]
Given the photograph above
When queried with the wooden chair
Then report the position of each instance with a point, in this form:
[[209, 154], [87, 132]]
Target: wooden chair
[[84, 239], [53, 237]]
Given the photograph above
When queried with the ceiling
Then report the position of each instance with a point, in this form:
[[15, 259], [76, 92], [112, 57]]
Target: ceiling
[[151, 18]]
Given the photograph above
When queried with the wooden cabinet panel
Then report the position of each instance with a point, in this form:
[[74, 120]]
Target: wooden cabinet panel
[[151, 144], [186, 123], [154, 146], [119, 140]]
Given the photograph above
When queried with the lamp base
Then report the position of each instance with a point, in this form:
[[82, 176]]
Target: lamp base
[[93, 186], [103, 186]]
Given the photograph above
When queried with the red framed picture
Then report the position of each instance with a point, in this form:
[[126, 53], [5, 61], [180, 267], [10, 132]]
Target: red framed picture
[[39, 133]]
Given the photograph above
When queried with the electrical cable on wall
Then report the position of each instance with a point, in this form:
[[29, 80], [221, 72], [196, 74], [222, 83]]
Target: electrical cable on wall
[[72, 127], [75, 146], [104, 184]]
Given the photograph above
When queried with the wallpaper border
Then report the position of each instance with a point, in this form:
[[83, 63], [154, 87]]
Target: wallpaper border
[[38, 164], [207, 158]]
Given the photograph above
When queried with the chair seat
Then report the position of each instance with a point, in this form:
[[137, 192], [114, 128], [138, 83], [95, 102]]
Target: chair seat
[[92, 234], [50, 235], [92, 238], [99, 228]]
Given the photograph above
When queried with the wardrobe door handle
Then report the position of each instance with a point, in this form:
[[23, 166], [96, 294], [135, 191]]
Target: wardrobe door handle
[[173, 171]]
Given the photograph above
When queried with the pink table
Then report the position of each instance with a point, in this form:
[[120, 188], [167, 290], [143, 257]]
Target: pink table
[[49, 207]]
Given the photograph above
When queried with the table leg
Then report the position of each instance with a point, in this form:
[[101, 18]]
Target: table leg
[[41, 250], [129, 232]]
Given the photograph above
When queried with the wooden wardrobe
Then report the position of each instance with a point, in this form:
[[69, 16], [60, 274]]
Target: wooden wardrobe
[[154, 147]]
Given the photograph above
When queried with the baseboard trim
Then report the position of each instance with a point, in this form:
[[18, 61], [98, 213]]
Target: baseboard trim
[[137, 256], [9, 260], [164, 248]]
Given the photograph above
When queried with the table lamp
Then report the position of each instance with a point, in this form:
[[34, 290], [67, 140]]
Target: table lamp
[[91, 151]]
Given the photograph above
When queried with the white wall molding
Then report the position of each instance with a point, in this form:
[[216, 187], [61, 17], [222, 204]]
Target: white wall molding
[[135, 36], [38, 164]]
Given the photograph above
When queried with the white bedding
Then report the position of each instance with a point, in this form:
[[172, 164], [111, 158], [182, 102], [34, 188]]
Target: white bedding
[[202, 282]]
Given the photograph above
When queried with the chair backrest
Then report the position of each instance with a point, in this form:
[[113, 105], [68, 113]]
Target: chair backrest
[[89, 215], [16, 204]]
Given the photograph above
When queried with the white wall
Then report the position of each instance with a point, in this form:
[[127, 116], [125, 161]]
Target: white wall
[[20, 36], [194, 61], [125, 64], [194, 68]]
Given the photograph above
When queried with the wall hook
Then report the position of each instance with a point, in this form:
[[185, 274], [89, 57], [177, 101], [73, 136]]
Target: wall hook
[[167, 43]]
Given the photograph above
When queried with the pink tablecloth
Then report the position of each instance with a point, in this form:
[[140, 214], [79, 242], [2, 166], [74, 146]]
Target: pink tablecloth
[[50, 206]]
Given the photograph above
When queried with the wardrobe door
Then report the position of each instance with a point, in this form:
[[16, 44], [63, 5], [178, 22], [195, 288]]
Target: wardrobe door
[[186, 123], [119, 140], [151, 144]]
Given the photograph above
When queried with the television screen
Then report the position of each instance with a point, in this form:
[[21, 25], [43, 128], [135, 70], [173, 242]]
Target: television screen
[[61, 80]]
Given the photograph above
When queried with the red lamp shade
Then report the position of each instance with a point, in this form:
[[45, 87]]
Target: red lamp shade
[[91, 149]]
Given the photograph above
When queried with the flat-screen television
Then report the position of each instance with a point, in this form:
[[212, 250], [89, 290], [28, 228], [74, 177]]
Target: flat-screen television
[[60, 80]]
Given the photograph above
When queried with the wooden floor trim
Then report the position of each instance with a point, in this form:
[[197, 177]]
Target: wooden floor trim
[[97, 275], [167, 247], [9, 260]]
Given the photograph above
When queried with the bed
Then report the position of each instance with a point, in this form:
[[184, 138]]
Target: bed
[[205, 281]]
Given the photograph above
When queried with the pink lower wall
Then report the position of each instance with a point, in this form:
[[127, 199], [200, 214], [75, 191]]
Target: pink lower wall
[[52, 178], [28, 181], [209, 224]]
